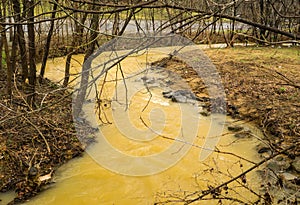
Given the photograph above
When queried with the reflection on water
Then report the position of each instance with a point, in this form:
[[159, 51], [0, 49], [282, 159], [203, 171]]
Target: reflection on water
[[85, 181]]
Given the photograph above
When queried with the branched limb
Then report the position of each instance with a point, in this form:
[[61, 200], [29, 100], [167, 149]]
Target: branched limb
[[40, 133]]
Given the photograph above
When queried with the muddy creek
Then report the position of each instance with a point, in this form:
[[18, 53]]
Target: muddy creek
[[154, 150]]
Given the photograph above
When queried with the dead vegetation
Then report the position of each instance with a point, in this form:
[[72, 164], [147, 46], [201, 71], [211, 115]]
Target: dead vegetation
[[35, 142], [261, 85]]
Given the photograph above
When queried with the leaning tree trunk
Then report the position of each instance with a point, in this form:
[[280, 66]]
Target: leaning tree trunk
[[48, 42], [116, 24], [128, 19], [86, 65], [77, 46]]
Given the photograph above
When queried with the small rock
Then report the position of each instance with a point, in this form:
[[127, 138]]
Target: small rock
[[233, 109], [33, 171], [167, 94], [235, 128], [88, 101], [274, 166], [266, 154], [279, 158], [148, 80], [262, 148], [80, 120], [244, 134], [179, 99], [288, 176], [180, 96], [205, 113], [268, 176], [296, 164], [269, 107], [168, 82], [280, 163]]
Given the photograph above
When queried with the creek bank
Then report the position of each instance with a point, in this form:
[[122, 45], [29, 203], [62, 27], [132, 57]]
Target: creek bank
[[257, 94], [34, 143]]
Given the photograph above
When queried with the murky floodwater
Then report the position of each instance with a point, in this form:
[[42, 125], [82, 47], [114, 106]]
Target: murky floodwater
[[174, 127]]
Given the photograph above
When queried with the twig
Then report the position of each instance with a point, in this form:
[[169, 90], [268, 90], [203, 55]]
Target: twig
[[41, 134], [287, 80], [194, 145]]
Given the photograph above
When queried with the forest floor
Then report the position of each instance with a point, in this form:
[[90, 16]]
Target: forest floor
[[262, 85]]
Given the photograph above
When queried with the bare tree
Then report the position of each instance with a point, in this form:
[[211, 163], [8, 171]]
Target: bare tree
[[21, 38], [32, 54], [48, 42], [7, 54], [87, 64]]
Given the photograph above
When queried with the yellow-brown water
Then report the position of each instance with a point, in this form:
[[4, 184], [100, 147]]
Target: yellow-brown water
[[85, 181]]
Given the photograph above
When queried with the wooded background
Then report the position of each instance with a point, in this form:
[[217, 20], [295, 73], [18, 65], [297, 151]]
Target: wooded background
[[32, 30]]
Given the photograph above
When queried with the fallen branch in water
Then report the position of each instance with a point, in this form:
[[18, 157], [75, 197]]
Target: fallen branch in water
[[210, 191], [197, 146]]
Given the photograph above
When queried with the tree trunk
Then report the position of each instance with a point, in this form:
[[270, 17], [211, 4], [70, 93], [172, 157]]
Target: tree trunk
[[14, 51], [78, 36], [116, 26], [232, 32], [31, 45], [10, 59], [128, 19], [8, 65], [48, 42], [76, 46], [21, 39], [1, 37], [10, 13], [86, 65], [1, 49], [67, 70], [6, 49], [262, 19]]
